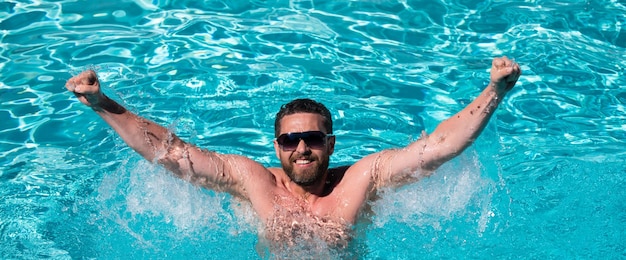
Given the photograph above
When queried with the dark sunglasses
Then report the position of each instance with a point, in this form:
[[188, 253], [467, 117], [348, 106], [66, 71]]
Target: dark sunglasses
[[313, 139]]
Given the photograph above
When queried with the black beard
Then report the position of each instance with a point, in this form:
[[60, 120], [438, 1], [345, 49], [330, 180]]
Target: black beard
[[306, 180]]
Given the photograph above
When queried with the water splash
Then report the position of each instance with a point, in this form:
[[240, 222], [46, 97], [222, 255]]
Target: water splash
[[145, 203], [456, 189]]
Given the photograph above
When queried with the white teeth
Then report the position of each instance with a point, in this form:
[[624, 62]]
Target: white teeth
[[303, 161]]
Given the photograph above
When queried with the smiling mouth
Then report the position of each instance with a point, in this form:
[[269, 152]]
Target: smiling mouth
[[303, 161]]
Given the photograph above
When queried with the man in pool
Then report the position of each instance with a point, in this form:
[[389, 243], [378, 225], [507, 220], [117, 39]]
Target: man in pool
[[303, 200]]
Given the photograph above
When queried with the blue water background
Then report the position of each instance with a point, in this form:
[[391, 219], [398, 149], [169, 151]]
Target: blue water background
[[545, 180]]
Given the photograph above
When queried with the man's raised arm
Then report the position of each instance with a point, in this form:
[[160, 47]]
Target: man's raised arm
[[449, 139], [157, 144], [458, 132]]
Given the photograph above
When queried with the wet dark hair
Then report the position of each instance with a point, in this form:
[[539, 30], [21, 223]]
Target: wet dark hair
[[304, 105]]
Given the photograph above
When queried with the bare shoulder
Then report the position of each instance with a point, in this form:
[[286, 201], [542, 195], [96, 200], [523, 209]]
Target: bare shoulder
[[357, 178], [378, 169], [349, 188], [236, 174], [254, 172]]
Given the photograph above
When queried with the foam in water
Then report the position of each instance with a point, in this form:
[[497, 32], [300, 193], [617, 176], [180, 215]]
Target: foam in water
[[141, 193], [456, 189]]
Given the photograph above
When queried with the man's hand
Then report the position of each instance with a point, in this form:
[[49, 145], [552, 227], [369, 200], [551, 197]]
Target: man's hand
[[86, 87], [504, 74]]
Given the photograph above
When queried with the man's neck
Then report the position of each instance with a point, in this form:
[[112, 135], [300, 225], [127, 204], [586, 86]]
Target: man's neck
[[316, 190], [319, 189]]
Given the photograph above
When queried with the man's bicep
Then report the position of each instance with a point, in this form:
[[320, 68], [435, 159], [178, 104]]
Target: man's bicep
[[205, 168], [396, 167]]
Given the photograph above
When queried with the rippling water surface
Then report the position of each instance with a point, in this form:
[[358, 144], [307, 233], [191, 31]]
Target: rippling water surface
[[545, 180]]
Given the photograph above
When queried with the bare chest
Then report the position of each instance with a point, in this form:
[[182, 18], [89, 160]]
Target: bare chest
[[295, 221]]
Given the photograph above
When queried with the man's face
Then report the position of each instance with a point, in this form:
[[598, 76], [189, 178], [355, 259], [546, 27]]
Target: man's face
[[304, 165]]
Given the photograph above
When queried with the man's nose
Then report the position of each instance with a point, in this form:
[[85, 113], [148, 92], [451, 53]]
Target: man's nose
[[303, 147]]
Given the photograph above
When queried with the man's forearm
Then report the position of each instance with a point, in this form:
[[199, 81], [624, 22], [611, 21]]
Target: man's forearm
[[451, 137], [159, 145], [458, 132], [142, 135]]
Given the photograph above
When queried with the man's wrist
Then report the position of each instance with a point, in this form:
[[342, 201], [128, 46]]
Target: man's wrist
[[109, 105], [499, 92]]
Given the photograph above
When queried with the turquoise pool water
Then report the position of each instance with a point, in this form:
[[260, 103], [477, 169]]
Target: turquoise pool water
[[544, 181]]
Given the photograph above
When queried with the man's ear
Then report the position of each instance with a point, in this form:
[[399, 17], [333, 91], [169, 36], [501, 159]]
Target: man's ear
[[331, 145], [277, 149]]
